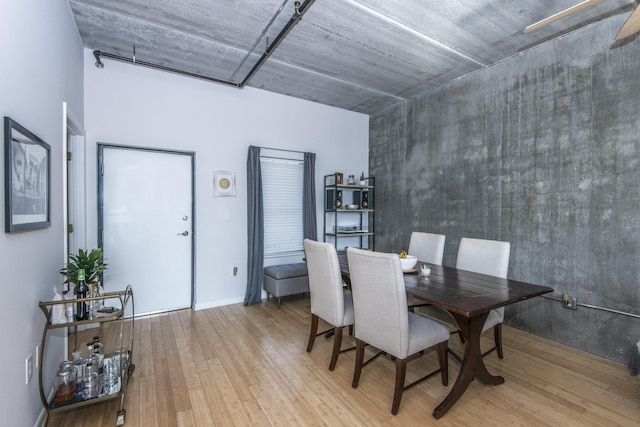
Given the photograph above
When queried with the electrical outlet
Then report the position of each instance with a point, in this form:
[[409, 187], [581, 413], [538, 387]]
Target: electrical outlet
[[28, 368]]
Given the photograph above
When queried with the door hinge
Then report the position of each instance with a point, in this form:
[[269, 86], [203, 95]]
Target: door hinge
[[69, 228], [69, 156]]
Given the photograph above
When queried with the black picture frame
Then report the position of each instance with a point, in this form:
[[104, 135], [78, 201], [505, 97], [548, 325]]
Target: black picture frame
[[27, 177]]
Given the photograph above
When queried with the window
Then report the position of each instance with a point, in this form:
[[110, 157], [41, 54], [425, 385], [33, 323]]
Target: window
[[282, 183]]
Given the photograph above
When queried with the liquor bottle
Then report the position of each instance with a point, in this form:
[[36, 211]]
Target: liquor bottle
[[81, 291]]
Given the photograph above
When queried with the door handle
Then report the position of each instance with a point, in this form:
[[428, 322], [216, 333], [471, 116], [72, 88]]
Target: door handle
[[184, 233]]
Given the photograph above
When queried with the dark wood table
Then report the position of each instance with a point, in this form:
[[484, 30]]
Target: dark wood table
[[469, 297]]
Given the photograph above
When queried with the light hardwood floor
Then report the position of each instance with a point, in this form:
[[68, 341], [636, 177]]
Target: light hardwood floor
[[247, 366]]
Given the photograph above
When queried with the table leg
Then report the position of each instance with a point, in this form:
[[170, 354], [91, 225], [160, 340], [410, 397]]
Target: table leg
[[472, 364]]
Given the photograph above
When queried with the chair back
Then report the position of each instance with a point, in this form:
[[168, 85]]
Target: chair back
[[379, 300], [325, 282], [489, 257], [427, 247]]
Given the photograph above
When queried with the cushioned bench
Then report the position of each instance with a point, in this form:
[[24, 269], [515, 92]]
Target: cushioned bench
[[286, 279]]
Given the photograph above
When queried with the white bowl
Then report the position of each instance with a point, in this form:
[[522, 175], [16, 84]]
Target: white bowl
[[409, 262]]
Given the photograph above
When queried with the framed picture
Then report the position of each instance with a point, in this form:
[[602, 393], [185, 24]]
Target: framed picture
[[27, 164], [224, 184]]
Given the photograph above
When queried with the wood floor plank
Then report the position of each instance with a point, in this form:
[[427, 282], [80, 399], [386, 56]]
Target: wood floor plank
[[248, 366]]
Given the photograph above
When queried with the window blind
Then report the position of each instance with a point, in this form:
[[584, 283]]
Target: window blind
[[282, 183]]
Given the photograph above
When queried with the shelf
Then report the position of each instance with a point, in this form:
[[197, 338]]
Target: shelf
[[354, 234], [347, 224], [349, 210], [352, 187]]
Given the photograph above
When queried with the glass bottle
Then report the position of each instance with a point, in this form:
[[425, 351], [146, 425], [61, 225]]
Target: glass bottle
[[91, 380], [65, 386], [98, 355], [91, 383], [81, 291]]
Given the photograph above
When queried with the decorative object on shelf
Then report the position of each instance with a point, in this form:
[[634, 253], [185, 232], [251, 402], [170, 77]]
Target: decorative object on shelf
[[365, 200], [362, 180], [338, 199], [334, 179], [224, 184], [26, 176], [92, 262], [351, 180]]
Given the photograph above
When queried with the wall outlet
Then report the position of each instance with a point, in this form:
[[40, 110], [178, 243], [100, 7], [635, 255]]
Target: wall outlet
[[28, 368]]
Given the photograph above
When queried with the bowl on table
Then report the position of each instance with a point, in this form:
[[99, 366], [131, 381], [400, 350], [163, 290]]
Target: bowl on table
[[409, 262]]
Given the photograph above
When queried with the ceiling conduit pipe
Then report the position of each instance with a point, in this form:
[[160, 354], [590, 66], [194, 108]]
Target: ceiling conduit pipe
[[297, 16], [133, 60], [262, 34]]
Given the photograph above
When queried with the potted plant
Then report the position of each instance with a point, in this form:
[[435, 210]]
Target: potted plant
[[91, 261], [362, 180]]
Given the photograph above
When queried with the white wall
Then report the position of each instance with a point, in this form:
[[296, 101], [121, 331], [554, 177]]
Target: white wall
[[131, 105], [40, 67]]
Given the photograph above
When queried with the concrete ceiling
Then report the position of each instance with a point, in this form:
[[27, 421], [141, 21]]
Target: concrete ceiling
[[359, 55]]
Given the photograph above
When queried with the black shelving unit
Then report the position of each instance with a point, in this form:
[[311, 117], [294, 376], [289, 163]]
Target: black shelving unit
[[349, 212]]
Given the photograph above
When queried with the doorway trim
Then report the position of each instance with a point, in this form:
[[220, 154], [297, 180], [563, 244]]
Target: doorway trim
[[73, 140]]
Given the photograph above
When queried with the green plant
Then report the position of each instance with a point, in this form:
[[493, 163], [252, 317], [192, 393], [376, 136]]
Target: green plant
[[91, 261], [362, 176]]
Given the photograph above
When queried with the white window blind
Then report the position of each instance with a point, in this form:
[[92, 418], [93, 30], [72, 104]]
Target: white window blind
[[282, 182]]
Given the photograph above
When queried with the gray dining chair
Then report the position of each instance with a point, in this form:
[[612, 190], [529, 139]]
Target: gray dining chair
[[490, 257], [329, 301], [429, 248], [382, 319]]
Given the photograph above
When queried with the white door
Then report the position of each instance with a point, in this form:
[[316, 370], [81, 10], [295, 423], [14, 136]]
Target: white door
[[146, 217]]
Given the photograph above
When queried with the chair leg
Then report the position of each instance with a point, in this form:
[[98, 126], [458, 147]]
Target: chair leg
[[351, 330], [497, 334], [401, 371], [337, 343], [443, 348], [357, 370], [313, 332], [278, 302]]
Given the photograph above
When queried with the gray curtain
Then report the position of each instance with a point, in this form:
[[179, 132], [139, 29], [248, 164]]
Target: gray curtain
[[309, 223], [255, 228]]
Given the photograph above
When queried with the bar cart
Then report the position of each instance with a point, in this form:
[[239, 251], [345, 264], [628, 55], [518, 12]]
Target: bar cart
[[121, 358]]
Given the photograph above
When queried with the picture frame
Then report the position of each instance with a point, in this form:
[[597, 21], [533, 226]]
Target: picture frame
[[224, 184], [27, 176]]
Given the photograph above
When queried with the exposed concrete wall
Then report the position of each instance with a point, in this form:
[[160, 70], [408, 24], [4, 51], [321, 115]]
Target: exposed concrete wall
[[542, 151]]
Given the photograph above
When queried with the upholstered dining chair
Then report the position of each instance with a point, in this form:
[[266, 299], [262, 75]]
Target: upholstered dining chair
[[490, 257], [329, 301], [382, 319], [429, 248]]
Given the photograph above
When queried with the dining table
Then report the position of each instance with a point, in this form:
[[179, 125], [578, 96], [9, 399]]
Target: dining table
[[469, 297]]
